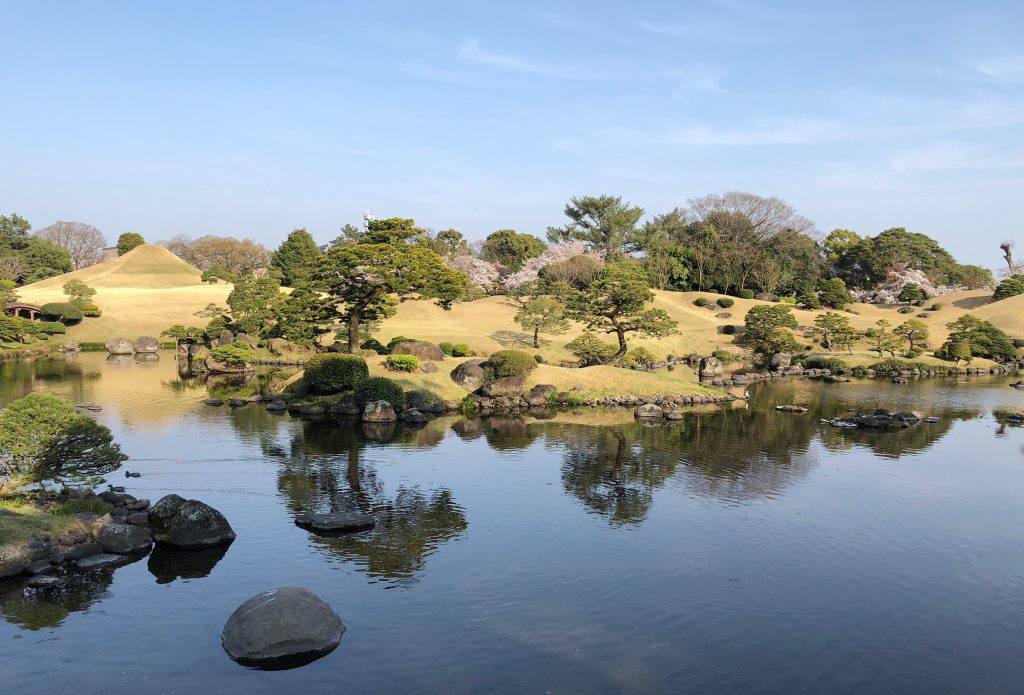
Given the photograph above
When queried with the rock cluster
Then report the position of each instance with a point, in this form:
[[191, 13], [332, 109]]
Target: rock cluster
[[879, 420]]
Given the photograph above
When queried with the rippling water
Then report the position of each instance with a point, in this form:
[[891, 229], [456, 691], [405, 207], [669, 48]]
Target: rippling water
[[738, 550]]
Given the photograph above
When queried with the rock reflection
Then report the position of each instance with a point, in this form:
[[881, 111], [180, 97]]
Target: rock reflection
[[169, 564], [37, 609]]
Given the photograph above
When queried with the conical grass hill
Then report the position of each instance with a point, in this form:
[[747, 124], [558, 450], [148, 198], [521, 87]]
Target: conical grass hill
[[143, 292]]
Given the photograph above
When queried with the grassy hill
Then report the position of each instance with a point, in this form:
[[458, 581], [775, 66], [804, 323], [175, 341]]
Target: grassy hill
[[141, 293]]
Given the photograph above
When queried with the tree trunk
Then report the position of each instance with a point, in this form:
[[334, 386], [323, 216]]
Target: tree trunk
[[621, 334], [536, 331], [353, 331]]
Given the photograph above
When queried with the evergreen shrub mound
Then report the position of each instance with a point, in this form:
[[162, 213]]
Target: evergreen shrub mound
[[895, 366], [701, 301], [788, 300], [402, 363], [935, 307], [726, 302], [237, 353], [906, 310], [65, 312], [454, 349], [539, 359], [447, 348], [724, 356], [744, 294], [510, 363], [1010, 287], [588, 346], [334, 372], [375, 345], [51, 327], [729, 329], [90, 310], [380, 388], [836, 365]]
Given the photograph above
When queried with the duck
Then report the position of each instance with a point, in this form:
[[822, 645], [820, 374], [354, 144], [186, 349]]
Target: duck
[[115, 488], [132, 474]]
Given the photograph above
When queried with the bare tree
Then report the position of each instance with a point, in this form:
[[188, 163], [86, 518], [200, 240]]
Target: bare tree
[[1007, 249], [12, 265], [768, 216], [83, 242], [227, 254]]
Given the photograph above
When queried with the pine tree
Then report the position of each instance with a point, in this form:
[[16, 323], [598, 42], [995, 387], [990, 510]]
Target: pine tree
[[296, 259]]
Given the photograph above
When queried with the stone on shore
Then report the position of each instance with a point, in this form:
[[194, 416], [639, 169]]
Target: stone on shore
[[124, 539], [188, 523], [146, 344], [96, 562], [649, 411], [120, 346], [335, 522], [379, 411], [285, 627]]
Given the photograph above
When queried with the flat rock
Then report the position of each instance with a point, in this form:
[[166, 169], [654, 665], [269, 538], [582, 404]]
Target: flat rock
[[124, 539], [335, 522], [39, 567], [282, 628], [214, 401], [100, 561], [84, 550]]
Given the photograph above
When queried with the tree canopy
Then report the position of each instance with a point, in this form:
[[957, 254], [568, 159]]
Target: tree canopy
[[226, 257], [128, 241], [296, 259], [510, 248], [83, 242], [605, 223]]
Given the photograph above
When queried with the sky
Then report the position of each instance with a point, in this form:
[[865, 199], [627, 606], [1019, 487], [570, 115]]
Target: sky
[[251, 119]]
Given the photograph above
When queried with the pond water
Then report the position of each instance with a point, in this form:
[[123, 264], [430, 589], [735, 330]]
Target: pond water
[[738, 550]]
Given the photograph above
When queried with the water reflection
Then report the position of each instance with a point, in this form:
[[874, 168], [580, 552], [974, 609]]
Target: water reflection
[[168, 564], [37, 609]]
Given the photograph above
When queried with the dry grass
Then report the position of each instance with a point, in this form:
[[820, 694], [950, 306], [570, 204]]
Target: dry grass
[[26, 521]]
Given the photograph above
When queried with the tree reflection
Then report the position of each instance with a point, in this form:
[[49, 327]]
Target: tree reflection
[[37, 609], [324, 471]]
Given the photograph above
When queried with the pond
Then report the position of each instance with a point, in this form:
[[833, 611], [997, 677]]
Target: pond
[[737, 550]]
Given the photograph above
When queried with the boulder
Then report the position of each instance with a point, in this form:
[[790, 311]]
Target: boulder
[[124, 539], [245, 338], [188, 523], [346, 405], [710, 367], [469, 375], [225, 337], [95, 562], [311, 410], [428, 368], [214, 401], [335, 522], [215, 366], [418, 400], [413, 416], [379, 411], [70, 346], [289, 626], [277, 405], [120, 346], [84, 550], [146, 344], [780, 361], [425, 351], [539, 394], [505, 386], [282, 347], [45, 581], [14, 559], [650, 410], [197, 352]]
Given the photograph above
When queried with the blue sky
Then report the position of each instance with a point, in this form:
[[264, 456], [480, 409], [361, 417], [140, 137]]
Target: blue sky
[[251, 118]]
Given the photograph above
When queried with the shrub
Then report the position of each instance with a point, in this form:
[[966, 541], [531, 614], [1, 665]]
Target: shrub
[[380, 388], [460, 350], [906, 310], [935, 307], [1017, 342], [788, 300], [50, 327], [577, 271], [724, 356], [214, 327], [729, 329], [726, 302], [90, 311], [92, 347], [402, 363], [334, 372], [375, 345], [236, 354], [836, 365], [912, 354], [510, 363], [447, 348], [65, 312], [637, 357], [588, 346], [1010, 287], [744, 294], [701, 301], [538, 359]]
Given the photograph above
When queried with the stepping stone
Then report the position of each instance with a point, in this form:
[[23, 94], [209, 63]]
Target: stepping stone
[[100, 561], [335, 522]]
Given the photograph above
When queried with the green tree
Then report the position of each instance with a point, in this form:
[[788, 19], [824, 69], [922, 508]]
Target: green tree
[[911, 293], [253, 302], [42, 260], [984, 338], [14, 231], [361, 279], [44, 438], [8, 293], [391, 231], [1010, 287], [297, 258], [510, 248], [882, 339], [958, 351], [915, 332], [835, 331], [302, 317], [542, 315], [78, 292], [14, 329], [834, 294], [349, 234], [128, 241], [605, 223], [615, 303], [769, 328]]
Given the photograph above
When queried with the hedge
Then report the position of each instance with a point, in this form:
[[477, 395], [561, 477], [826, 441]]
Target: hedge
[[725, 302], [505, 363], [334, 372], [402, 363], [63, 311], [51, 327], [380, 388]]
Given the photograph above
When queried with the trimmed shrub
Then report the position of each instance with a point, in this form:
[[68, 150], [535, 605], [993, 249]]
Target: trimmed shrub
[[701, 301], [833, 363], [460, 350], [90, 310], [726, 302], [402, 363], [51, 327], [729, 329], [375, 345], [334, 372], [65, 312], [538, 359], [1010, 287], [935, 307], [744, 294], [1017, 342], [723, 355], [236, 354], [92, 347], [588, 346], [505, 363], [906, 310], [380, 388], [447, 348]]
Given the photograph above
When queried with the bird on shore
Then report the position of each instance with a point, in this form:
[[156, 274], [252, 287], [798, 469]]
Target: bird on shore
[[132, 474]]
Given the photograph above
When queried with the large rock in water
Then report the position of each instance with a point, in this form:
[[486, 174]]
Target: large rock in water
[[649, 411], [335, 522], [188, 523], [146, 344], [285, 627], [124, 539], [469, 375], [425, 351], [710, 367], [120, 346], [379, 411]]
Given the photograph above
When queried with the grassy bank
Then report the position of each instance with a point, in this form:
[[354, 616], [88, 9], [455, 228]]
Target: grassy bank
[[21, 520]]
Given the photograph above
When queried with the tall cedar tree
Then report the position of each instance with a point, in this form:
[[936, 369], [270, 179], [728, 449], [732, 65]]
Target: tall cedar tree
[[297, 258]]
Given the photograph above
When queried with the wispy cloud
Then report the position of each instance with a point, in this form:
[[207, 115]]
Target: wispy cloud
[[953, 156], [783, 131], [1007, 68], [472, 51]]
